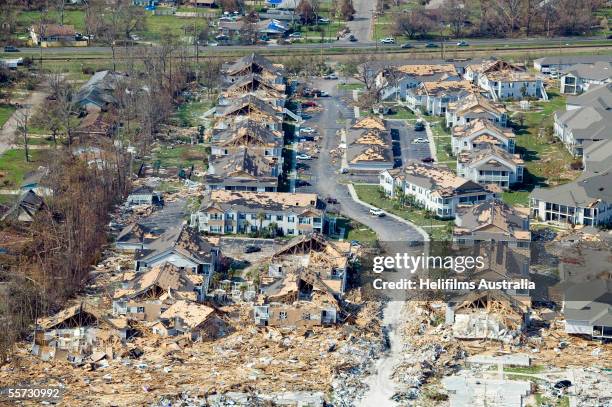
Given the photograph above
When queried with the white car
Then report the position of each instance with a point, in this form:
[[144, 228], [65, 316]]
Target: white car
[[388, 40], [331, 76], [419, 140], [295, 35], [377, 212], [303, 157], [307, 130]]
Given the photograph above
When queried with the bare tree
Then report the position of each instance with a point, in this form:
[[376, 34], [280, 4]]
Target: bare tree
[[415, 23], [23, 117], [456, 14]]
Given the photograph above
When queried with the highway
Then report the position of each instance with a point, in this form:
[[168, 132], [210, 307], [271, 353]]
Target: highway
[[536, 42]]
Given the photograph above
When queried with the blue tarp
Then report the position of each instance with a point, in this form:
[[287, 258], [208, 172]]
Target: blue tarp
[[274, 2]]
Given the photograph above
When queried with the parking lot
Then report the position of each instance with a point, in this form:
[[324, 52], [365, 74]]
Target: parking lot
[[403, 135]]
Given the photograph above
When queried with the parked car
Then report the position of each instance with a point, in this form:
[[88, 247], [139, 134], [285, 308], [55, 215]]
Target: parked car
[[295, 35], [388, 40], [419, 140], [303, 156], [352, 38], [252, 249], [377, 212], [419, 126], [407, 45], [308, 130], [432, 45], [10, 48], [324, 94], [428, 160], [331, 200], [309, 103], [331, 76], [323, 20], [306, 116], [462, 44]]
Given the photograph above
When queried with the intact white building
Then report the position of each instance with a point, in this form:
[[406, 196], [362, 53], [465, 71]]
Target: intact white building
[[491, 165]]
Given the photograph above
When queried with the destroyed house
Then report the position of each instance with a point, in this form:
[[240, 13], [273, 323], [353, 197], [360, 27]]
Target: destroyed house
[[198, 322], [75, 332], [490, 314], [437, 188], [435, 97], [313, 252], [243, 170], [98, 93], [475, 107], [144, 195], [249, 107], [300, 300], [587, 308], [492, 220], [182, 247], [256, 85], [369, 145], [503, 80], [143, 297], [491, 165], [249, 134], [252, 64], [480, 133], [26, 207], [224, 212], [473, 72], [136, 236]]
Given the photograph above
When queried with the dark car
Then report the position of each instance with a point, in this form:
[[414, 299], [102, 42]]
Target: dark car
[[428, 160], [419, 126], [563, 384], [432, 45], [331, 200], [10, 48], [352, 38], [252, 249], [406, 46]]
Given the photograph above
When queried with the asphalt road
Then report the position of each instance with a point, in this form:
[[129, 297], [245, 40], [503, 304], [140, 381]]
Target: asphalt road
[[362, 43], [326, 179], [407, 135]]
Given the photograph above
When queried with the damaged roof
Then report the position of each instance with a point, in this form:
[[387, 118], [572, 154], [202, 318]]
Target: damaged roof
[[439, 180], [490, 157], [181, 239], [492, 216], [242, 165], [246, 105], [252, 63], [367, 144], [28, 204], [440, 88], [84, 313], [475, 102], [370, 122], [190, 313], [165, 276], [248, 133], [482, 126]]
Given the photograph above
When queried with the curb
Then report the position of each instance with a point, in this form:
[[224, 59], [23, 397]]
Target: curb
[[355, 198]]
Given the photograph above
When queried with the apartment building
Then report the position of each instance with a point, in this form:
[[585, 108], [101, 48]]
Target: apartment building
[[435, 97], [480, 133], [475, 107], [582, 77], [491, 165], [227, 212], [438, 189]]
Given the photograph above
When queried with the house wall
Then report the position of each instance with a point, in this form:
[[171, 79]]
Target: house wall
[[567, 215], [240, 222], [460, 144], [288, 316], [504, 177]]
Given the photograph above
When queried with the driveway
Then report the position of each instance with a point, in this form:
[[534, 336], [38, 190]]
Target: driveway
[[327, 181], [9, 130], [361, 26]]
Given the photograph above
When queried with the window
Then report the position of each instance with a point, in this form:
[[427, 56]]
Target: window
[[304, 221], [229, 216], [140, 310], [279, 217], [290, 219], [290, 232], [305, 316], [282, 315]]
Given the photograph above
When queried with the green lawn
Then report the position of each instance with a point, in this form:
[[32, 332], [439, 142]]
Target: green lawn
[[156, 25], [438, 229], [442, 140], [356, 231], [5, 112], [181, 156], [516, 198], [25, 19], [546, 159], [7, 199], [525, 369], [351, 86], [401, 113], [13, 166], [189, 114]]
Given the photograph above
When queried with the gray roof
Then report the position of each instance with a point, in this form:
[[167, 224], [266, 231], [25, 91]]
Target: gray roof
[[28, 203], [257, 133], [599, 97], [598, 156], [359, 152], [99, 88], [493, 153], [590, 301], [598, 71], [585, 192], [252, 63], [245, 105], [587, 123], [181, 239], [493, 212], [570, 60]]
